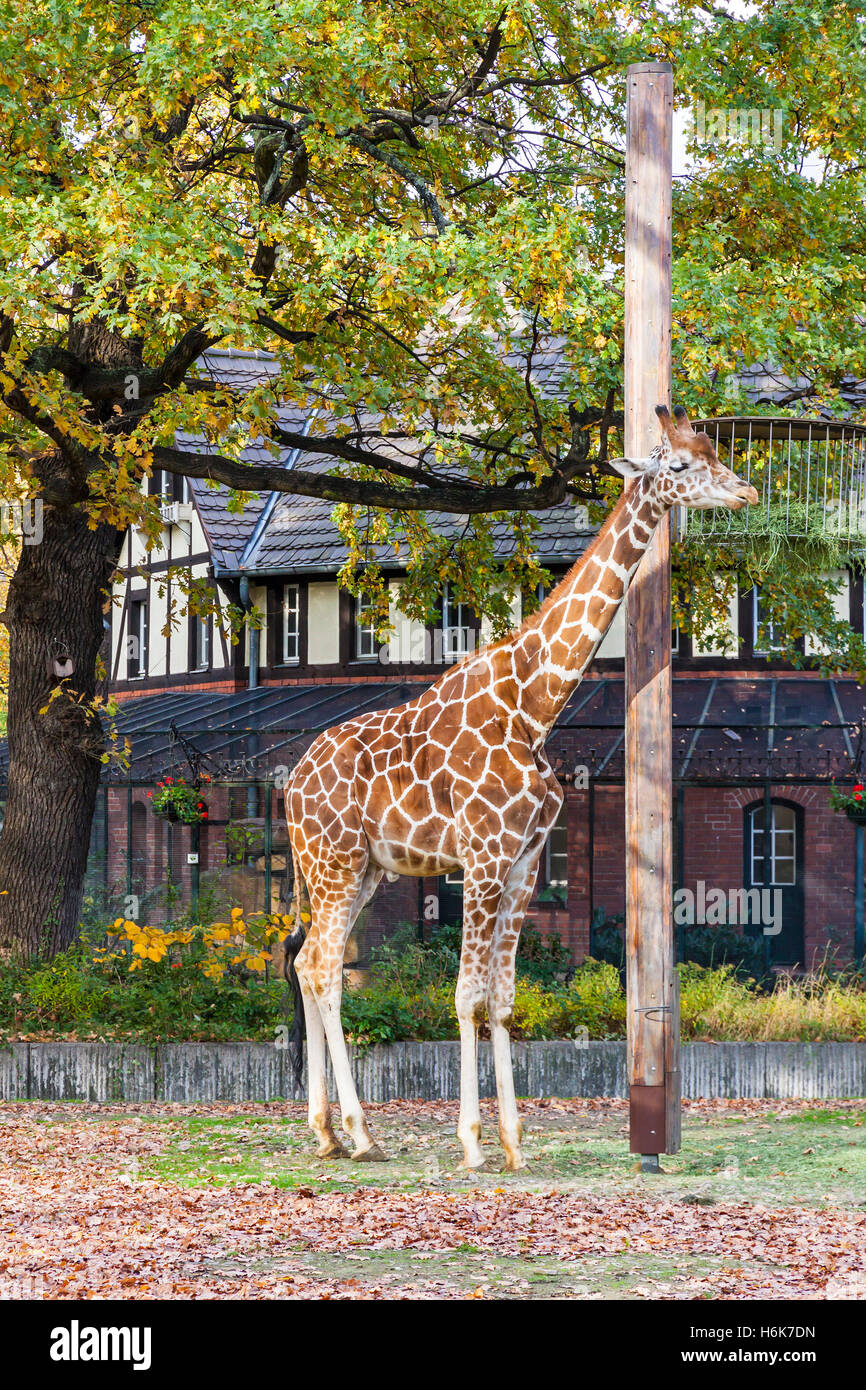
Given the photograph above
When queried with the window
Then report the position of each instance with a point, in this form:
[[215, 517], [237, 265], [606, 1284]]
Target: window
[[675, 641], [766, 637], [171, 487], [783, 846], [200, 642], [291, 624], [365, 632], [138, 846], [556, 855], [458, 627], [136, 639]]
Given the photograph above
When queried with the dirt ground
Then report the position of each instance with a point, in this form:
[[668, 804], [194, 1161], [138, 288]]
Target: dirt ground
[[765, 1200]]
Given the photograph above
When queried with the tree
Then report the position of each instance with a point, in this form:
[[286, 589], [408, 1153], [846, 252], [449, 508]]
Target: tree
[[405, 205]]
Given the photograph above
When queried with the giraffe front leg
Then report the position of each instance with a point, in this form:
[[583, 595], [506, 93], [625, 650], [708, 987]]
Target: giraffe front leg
[[500, 1007], [479, 917], [500, 995], [469, 1006], [510, 1127], [320, 970]]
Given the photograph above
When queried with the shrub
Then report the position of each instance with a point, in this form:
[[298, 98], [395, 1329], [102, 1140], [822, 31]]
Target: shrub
[[702, 945], [724, 946], [62, 994], [591, 1005], [547, 961], [171, 995]]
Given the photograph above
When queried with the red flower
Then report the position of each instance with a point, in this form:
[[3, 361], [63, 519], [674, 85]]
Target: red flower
[[858, 796], [204, 815], [166, 783], [858, 787], [150, 794]]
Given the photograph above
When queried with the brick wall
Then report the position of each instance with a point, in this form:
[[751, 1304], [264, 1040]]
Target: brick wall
[[713, 852]]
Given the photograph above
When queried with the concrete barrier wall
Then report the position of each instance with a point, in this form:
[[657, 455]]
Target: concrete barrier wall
[[193, 1072]]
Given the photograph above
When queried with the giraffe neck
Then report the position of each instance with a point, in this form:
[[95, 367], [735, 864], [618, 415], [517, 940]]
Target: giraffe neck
[[554, 646]]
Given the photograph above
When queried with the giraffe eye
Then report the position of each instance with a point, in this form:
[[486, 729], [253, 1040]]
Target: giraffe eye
[[679, 467]]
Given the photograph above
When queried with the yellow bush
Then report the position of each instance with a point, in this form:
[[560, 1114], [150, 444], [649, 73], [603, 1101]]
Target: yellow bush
[[237, 942]]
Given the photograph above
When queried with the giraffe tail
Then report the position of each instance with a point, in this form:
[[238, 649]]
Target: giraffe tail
[[293, 945]]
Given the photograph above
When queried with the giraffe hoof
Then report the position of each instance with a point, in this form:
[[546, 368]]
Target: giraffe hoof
[[485, 1166], [334, 1150], [372, 1155], [514, 1165]]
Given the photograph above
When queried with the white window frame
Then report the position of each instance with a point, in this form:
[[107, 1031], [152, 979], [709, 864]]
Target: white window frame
[[200, 641], [458, 635], [165, 485], [365, 633], [552, 872], [776, 858], [136, 626], [291, 640], [769, 628]]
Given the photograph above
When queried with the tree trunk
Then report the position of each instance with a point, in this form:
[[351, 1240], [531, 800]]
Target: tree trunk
[[56, 605]]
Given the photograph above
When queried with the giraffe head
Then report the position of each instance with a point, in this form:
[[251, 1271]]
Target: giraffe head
[[685, 470]]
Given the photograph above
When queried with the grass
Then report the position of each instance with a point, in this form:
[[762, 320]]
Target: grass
[[753, 1155], [819, 1008], [478, 1274], [765, 1199], [758, 1153]]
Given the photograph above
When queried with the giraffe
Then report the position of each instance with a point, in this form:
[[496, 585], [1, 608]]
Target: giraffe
[[458, 777]]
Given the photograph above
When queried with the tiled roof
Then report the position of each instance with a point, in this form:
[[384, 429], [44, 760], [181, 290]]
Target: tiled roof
[[766, 385], [285, 533], [300, 535]]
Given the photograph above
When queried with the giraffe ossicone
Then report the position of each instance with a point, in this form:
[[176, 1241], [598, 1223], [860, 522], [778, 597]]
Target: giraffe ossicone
[[458, 778]]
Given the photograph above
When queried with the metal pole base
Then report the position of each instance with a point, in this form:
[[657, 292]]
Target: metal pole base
[[649, 1163]]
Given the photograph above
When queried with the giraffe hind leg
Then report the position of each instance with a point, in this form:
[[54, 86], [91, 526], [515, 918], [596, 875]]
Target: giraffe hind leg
[[320, 969]]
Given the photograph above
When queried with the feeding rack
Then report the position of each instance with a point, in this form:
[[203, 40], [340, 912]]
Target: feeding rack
[[810, 476]]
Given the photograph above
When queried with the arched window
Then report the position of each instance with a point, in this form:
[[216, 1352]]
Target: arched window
[[781, 845], [773, 864]]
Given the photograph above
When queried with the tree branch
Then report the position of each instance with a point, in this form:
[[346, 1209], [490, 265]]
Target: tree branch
[[407, 175], [445, 497]]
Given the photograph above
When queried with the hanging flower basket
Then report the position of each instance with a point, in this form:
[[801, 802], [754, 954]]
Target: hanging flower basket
[[850, 800], [175, 800]]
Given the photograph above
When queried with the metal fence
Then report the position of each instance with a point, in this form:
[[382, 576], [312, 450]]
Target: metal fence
[[810, 476]]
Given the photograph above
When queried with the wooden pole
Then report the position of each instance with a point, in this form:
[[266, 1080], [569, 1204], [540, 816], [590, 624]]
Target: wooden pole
[[652, 982]]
